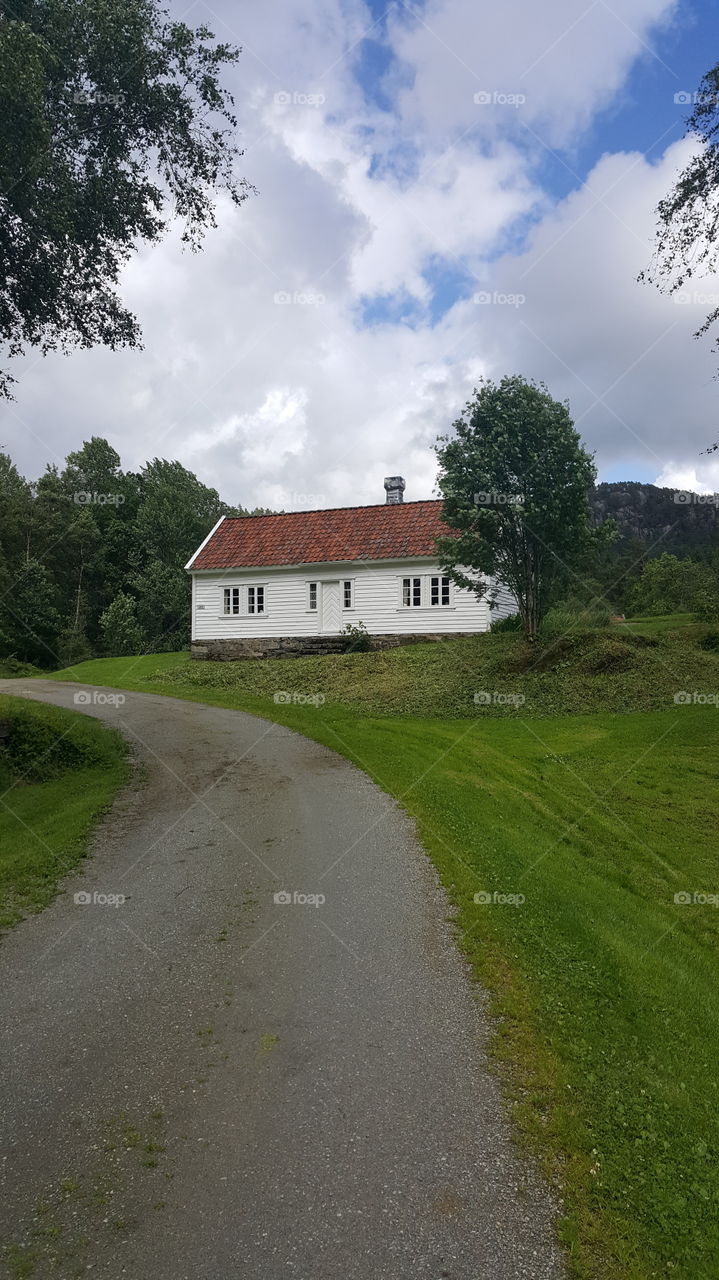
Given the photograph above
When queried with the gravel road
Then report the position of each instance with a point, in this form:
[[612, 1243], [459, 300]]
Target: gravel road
[[201, 1083]]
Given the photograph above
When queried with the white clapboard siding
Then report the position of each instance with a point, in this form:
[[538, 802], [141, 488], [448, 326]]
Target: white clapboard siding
[[377, 603]]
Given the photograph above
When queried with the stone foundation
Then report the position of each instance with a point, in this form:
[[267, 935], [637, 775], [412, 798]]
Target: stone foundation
[[303, 646]]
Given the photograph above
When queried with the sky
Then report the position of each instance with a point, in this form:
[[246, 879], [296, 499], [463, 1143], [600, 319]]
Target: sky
[[447, 190]]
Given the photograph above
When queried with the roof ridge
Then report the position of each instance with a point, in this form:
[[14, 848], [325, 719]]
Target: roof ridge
[[311, 511]]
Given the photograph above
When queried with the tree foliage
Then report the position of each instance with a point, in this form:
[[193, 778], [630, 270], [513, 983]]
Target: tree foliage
[[119, 628], [114, 121], [687, 240], [92, 558], [670, 585], [515, 482]]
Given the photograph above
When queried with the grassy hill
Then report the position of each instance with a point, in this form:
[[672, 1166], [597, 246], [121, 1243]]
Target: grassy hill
[[628, 667], [578, 849], [58, 773]]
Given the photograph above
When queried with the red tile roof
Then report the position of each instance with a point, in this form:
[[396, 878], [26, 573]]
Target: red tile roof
[[388, 532]]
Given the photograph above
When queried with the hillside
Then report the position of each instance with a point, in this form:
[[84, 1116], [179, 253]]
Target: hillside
[[622, 669], [651, 515]]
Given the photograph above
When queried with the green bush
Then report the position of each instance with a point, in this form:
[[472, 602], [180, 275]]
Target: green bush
[[357, 639], [121, 632], [511, 623], [39, 746], [710, 640], [573, 615], [706, 605]]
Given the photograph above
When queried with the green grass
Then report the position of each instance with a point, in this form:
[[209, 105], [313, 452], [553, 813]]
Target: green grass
[[604, 988], [655, 624], [580, 673], [58, 773]]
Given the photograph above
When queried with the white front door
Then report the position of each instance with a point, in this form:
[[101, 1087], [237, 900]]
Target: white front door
[[331, 607]]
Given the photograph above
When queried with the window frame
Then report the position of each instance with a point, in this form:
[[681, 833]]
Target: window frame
[[344, 584], [254, 606], [313, 589], [238, 595], [411, 591], [419, 598], [443, 587], [231, 597]]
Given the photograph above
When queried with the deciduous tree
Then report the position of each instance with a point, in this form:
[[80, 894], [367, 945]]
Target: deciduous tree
[[515, 482]]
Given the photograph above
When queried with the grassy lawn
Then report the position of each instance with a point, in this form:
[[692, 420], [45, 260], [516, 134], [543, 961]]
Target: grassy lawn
[[655, 624], [604, 988], [614, 670], [58, 772]]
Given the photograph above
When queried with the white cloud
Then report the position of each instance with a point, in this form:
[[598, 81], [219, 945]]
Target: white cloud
[[563, 58], [268, 399]]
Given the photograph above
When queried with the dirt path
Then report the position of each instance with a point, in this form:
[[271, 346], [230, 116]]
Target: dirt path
[[204, 1083]]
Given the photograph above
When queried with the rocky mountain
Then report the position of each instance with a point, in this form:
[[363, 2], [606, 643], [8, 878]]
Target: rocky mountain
[[662, 519]]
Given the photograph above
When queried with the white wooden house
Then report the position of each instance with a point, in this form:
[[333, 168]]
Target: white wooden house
[[290, 583]]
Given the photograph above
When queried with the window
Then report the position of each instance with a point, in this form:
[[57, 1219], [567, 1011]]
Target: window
[[411, 593], [312, 595], [348, 594], [232, 600], [255, 599], [439, 591]]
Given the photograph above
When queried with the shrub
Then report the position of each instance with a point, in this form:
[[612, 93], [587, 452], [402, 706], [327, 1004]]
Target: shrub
[[557, 622], [121, 634], [357, 638], [573, 615], [710, 640], [511, 623], [706, 605], [38, 745]]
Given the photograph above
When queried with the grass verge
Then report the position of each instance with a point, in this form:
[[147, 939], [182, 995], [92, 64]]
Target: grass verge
[[604, 985], [58, 773]]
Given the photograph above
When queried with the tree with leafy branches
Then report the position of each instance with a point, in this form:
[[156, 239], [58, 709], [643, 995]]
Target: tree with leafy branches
[[515, 482], [687, 240], [114, 121], [120, 630]]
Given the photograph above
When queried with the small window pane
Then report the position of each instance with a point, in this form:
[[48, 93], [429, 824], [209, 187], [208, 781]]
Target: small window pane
[[255, 599], [313, 595]]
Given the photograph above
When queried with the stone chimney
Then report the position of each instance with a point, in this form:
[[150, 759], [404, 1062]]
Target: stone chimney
[[394, 487]]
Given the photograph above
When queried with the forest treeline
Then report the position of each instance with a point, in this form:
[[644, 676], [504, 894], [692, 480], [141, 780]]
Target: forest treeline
[[92, 557]]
